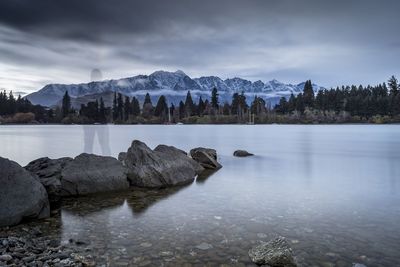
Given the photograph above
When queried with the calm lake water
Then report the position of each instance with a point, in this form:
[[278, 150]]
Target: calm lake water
[[333, 191]]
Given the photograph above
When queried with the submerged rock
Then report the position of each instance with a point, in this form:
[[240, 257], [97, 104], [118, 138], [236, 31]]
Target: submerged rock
[[85, 174], [242, 153], [204, 246], [275, 253], [22, 196], [207, 157], [164, 166]]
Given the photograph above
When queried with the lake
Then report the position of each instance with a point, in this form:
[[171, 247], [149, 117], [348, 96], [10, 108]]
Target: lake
[[332, 190]]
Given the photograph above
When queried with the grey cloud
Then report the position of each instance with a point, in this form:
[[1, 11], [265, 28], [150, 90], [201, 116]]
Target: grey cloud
[[331, 42]]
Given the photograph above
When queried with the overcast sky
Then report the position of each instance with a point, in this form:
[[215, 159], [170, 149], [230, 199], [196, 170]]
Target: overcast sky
[[330, 42]]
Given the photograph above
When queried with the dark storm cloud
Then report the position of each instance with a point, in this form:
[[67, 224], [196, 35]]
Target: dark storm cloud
[[331, 42]]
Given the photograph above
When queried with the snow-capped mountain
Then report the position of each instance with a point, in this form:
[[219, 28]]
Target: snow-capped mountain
[[174, 85]]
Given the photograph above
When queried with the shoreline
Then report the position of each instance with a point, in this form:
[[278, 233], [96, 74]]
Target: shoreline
[[180, 124]]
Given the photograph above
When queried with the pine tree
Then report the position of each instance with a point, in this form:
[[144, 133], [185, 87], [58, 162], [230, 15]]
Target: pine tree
[[12, 104], [3, 102], [201, 107], [393, 86], [182, 110], [319, 101], [120, 107], [172, 110], [214, 98], [300, 103], [291, 103], [147, 99], [282, 107], [257, 106], [115, 107], [189, 106], [66, 105], [235, 104], [308, 94], [127, 108], [135, 107], [243, 103], [161, 109]]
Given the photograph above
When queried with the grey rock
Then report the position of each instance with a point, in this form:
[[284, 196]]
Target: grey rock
[[85, 174], [242, 153], [22, 196], [207, 157], [275, 253], [173, 152], [28, 259], [49, 172], [5, 257], [162, 167], [88, 173], [122, 156]]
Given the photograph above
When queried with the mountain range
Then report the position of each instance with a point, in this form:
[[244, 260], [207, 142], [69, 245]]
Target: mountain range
[[173, 85]]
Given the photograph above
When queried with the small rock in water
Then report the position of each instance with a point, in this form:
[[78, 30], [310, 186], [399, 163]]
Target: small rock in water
[[275, 253], [359, 265], [217, 217], [80, 242], [242, 153], [204, 246]]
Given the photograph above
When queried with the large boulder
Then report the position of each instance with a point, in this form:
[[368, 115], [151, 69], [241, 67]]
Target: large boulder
[[85, 174], [162, 167], [22, 196], [242, 153], [207, 157], [176, 153], [49, 172], [89, 173], [275, 253]]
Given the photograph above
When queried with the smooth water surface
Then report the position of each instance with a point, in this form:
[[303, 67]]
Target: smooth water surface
[[332, 190]]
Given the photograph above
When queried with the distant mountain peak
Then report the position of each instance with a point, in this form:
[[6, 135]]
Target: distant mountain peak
[[180, 72]]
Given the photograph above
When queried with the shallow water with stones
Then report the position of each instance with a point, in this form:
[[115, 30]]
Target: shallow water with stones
[[332, 191]]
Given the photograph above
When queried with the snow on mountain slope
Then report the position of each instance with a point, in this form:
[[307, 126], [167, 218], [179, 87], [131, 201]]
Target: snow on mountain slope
[[174, 85]]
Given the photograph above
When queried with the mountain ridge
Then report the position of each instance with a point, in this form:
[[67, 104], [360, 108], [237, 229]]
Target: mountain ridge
[[174, 85]]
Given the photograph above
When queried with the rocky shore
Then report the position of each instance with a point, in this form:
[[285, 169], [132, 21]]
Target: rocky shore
[[29, 193], [36, 191], [38, 244]]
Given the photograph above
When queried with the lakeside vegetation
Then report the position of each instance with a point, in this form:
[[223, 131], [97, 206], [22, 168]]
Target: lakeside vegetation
[[346, 104]]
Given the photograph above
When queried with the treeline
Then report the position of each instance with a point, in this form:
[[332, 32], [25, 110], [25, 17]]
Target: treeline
[[379, 103], [129, 110], [19, 110], [375, 104]]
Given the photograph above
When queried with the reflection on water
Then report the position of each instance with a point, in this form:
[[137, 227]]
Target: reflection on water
[[89, 133], [333, 191]]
